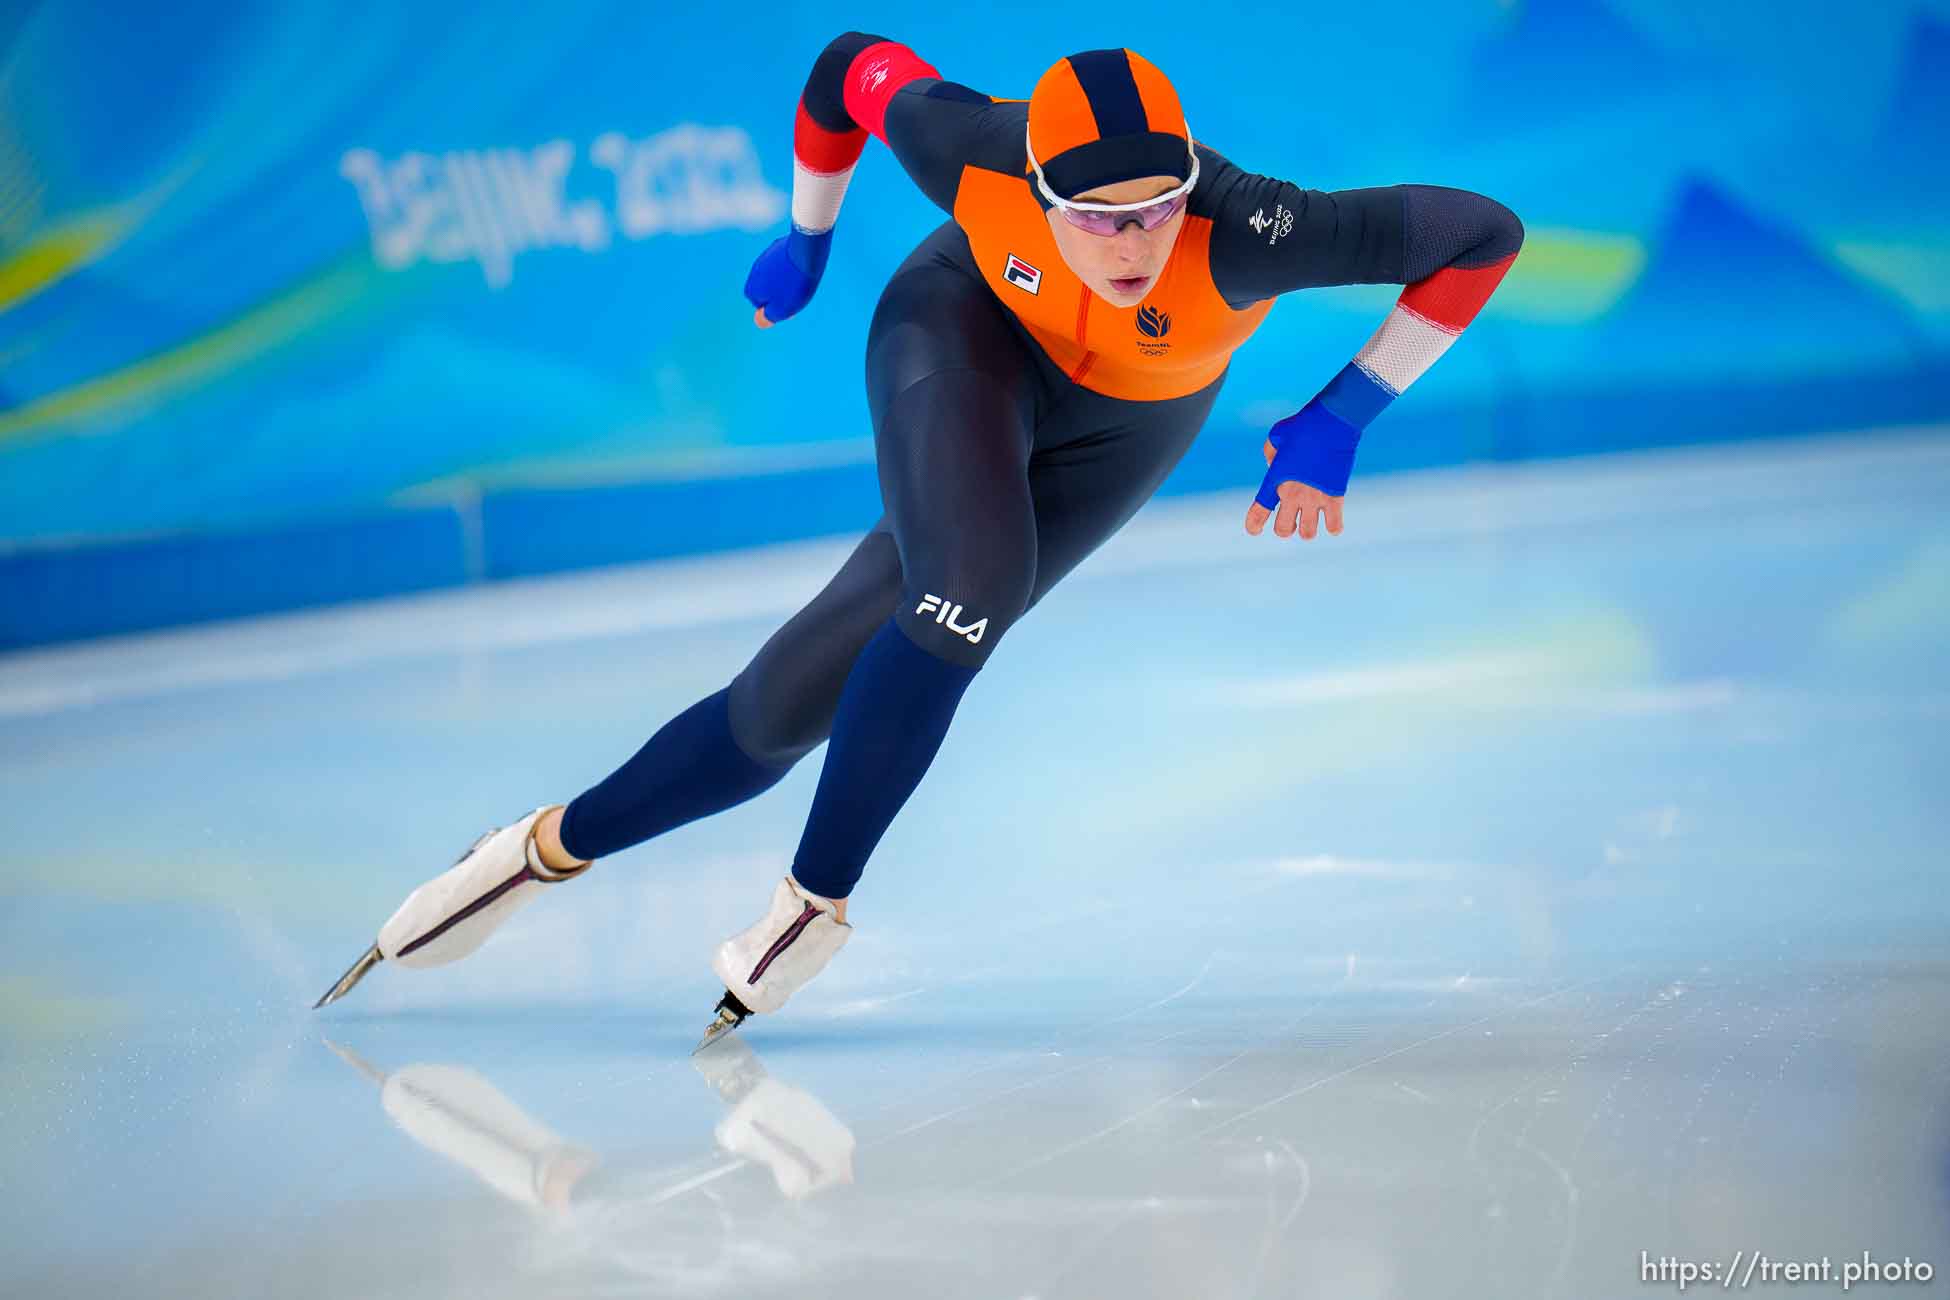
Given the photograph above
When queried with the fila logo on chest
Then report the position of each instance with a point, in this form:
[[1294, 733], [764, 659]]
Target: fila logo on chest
[[1022, 275]]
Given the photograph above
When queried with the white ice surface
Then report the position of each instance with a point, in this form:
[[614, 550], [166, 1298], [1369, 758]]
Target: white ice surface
[[1549, 870]]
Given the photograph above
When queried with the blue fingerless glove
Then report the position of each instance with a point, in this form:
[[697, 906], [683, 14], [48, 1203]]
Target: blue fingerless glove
[[1313, 446], [786, 273]]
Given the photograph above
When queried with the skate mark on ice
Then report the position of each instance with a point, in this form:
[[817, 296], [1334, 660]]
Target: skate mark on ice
[[1291, 1093], [1277, 1230], [1283, 1032], [1164, 1001]]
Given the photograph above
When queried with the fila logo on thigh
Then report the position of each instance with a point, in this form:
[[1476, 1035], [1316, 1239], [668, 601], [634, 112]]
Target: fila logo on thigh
[[946, 613]]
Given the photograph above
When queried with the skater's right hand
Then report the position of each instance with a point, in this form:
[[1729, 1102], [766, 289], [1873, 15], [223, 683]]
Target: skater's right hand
[[785, 275]]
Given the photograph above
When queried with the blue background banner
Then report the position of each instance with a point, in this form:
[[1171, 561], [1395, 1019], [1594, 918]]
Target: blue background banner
[[305, 302]]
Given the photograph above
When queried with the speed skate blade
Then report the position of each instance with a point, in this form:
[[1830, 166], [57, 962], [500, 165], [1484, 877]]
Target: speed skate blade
[[358, 971], [731, 1014]]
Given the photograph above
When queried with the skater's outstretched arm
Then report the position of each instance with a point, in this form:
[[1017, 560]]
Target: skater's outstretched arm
[[1450, 248]]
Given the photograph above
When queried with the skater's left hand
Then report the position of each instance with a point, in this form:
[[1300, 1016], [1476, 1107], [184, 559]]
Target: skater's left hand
[[1308, 458], [1300, 506]]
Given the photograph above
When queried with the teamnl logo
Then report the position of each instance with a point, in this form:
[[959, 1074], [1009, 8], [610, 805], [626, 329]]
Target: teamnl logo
[[1153, 325], [946, 613]]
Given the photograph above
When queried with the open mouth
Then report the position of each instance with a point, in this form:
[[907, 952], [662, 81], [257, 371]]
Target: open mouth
[[1131, 284]]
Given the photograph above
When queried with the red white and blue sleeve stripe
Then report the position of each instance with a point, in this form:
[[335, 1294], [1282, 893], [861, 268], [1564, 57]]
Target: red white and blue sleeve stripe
[[845, 99], [1424, 322]]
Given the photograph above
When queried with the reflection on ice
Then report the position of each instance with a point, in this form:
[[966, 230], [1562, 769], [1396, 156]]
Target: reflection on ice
[[456, 1113], [775, 1124]]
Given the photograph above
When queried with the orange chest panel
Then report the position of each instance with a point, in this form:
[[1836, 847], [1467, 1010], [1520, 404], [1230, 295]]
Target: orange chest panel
[[1175, 342]]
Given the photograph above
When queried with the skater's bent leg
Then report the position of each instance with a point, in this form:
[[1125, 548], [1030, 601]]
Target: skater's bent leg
[[952, 454], [954, 398], [895, 710]]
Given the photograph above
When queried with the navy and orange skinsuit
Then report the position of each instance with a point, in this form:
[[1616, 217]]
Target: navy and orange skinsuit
[[1019, 421], [1246, 239]]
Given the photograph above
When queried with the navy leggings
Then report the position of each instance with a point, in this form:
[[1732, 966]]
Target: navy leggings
[[998, 476]]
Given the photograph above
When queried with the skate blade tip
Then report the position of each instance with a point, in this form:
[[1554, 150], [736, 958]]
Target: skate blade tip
[[712, 1035], [356, 972], [718, 1029]]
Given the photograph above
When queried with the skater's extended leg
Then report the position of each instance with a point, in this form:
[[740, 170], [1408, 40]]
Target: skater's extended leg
[[738, 742], [690, 769], [782, 704], [719, 752]]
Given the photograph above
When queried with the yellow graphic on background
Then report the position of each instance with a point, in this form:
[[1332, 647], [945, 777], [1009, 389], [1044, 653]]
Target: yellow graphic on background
[[58, 253], [1916, 272], [1564, 277], [258, 331], [72, 242]]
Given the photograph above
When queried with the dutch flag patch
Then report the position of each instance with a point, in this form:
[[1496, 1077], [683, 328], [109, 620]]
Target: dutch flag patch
[[1022, 275]]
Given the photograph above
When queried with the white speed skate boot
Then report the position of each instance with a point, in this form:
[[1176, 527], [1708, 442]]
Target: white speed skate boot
[[453, 914], [776, 958]]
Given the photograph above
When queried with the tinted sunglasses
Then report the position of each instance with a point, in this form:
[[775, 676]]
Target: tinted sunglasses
[[1109, 218]]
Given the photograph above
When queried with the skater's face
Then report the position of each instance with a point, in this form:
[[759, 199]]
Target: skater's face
[[1124, 267]]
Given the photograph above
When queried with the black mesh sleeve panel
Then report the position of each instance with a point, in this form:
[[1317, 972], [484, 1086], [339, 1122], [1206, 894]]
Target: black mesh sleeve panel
[[1456, 228]]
